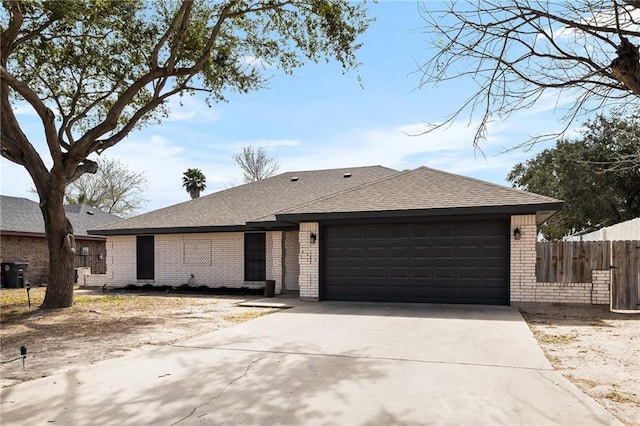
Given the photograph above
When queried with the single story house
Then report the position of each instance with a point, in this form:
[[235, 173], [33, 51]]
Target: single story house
[[23, 238], [357, 234]]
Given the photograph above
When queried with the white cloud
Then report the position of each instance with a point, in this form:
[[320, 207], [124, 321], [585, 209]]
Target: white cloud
[[24, 108], [394, 147], [191, 108], [256, 62], [268, 143], [163, 162], [15, 181]]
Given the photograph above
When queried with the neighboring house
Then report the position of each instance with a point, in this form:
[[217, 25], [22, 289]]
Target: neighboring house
[[623, 231], [23, 238], [364, 233]]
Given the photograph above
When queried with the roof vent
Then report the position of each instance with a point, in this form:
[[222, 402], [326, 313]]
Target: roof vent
[[346, 175], [294, 179], [90, 212]]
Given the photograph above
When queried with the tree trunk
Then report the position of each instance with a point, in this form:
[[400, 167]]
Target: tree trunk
[[61, 245]]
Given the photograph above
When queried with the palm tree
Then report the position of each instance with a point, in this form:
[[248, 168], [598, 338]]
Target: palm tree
[[193, 180]]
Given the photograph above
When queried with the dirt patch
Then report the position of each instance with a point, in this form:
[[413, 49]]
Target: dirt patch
[[597, 350], [102, 326]]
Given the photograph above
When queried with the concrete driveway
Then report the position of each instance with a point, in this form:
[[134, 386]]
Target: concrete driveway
[[324, 364]]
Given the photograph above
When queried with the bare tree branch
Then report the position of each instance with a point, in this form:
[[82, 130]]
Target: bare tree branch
[[255, 163], [522, 51]]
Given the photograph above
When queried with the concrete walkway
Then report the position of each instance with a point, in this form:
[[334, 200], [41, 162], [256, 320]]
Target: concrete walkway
[[324, 363]]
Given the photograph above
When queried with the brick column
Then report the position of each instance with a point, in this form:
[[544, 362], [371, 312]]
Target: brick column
[[309, 259], [276, 259], [601, 282], [523, 258]]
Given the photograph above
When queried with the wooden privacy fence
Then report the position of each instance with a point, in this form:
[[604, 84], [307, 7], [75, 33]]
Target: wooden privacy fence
[[625, 275], [572, 262], [569, 261]]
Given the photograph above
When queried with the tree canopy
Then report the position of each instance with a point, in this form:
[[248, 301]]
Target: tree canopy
[[94, 70], [255, 163], [577, 55], [113, 188], [598, 189]]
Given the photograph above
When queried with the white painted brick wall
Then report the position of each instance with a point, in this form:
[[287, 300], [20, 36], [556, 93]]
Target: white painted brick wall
[[276, 259], [292, 261], [268, 260], [309, 261], [596, 292], [225, 267], [523, 258], [525, 288]]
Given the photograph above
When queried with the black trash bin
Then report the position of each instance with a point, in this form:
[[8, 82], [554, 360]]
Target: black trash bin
[[269, 288], [14, 274]]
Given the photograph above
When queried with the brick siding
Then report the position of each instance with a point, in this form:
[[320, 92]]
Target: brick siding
[[523, 258], [275, 266], [525, 288], [34, 251], [214, 260], [291, 261], [217, 259], [309, 261]]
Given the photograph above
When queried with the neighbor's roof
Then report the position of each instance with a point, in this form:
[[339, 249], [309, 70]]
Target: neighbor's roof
[[256, 201], [423, 191], [23, 216]]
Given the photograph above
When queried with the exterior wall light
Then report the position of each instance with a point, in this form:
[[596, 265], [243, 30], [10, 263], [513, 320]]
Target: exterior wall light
[[313, 237], [517, 233]]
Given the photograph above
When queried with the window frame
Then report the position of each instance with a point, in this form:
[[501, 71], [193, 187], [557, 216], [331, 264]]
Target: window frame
[[255, 256]]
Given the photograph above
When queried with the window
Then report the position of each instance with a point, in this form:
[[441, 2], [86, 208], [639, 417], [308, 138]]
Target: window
[[254, 256], [144, 257]]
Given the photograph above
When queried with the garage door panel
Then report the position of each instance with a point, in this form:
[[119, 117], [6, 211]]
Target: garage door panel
[[493, 252], [448, 252], [444, 273], [398, 253], [421, 232], [467, 252], [496, 273], [421, 273], [418, 253], [355, 272], [355, 252], [374, 253], [377, 272], [466, 273], [440, 262], [443, 231], [398, 273]]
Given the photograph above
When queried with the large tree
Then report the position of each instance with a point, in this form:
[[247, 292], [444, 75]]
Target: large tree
[[598, 189], [113, 188], [255, 163], [94, 70], [582, 53]]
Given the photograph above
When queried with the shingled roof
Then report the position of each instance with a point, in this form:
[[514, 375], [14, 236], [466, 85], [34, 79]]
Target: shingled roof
[[233, 208], [421, 192], [357, 192], [23, 216]]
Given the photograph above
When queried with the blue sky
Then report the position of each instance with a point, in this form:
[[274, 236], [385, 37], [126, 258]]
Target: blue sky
[[321, 118]]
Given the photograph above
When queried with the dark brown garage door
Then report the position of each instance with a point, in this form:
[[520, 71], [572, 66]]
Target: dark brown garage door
[[443, 262]]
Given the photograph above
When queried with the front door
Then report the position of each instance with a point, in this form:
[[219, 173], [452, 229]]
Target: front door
[[145, 257]]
